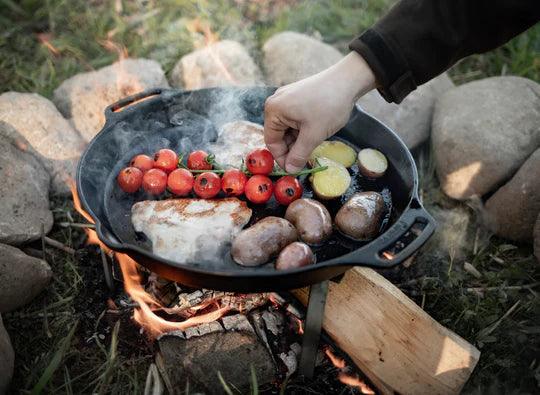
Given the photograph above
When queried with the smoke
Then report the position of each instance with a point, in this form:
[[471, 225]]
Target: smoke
[[181, 121]]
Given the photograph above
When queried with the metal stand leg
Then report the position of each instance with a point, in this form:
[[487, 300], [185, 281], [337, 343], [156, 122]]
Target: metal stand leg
[[312, 328]]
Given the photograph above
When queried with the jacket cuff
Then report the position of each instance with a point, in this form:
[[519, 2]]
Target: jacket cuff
[[390, 68]]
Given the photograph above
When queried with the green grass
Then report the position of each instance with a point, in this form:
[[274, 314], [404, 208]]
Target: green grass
[[502, 322]]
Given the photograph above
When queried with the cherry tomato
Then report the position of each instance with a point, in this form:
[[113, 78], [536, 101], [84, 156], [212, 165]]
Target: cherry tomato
[[260, 161], [130, 179], [142, 162], [180, 182], [259, 189], [233, 182], [197, 160], [287, 190], [154, 181], [166, 160], [207, 185]]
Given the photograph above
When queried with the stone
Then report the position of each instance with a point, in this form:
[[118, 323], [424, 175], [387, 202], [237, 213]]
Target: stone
[[84, 97], [24, 192], [197, 361], [512, 211], [224, 63], [411, 119], [482, 132], [51, 137], [536, 236], [22, 277], [7, 359], [291, 56]]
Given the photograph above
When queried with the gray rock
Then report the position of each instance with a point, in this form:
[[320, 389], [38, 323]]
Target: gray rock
[[24, 192], [411, 119], [56, 143], [536, 236], [84, 97], [7, 359], [224, 63], [22, 277], [512, 210], [291, 56], [198, 360], [483, 131]]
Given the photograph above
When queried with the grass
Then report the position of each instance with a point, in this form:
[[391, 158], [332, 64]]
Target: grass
[[57, 355]]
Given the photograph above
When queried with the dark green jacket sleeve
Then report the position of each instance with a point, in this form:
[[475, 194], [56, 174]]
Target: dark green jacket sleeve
[[419, 39]]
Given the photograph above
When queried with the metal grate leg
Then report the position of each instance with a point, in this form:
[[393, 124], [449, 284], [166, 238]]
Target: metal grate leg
[[312, 328]]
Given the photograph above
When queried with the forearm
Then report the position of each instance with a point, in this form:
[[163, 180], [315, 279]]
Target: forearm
[[419, 39]]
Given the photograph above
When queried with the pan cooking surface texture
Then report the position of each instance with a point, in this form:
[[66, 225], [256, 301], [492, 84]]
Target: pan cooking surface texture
[[118, 208]]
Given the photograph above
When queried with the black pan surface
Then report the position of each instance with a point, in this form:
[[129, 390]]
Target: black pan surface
[[185, 121]]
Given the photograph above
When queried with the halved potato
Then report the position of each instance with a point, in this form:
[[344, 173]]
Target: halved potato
[[332, 182], [372, 163], [336, 151]]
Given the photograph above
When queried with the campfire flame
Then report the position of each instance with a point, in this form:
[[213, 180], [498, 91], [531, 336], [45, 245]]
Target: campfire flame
[[345, 378], [147, 306]]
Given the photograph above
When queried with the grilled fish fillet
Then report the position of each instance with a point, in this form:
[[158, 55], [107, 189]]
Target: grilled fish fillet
[[235, 140], [190, 230]]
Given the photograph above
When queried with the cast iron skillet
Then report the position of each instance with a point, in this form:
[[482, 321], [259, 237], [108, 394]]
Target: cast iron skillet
[[161, 118]]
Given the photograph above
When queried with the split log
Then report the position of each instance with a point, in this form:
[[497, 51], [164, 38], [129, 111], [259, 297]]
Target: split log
[[391, 339]]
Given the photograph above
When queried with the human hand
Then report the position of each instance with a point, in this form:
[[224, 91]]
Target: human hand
[[299, 116]]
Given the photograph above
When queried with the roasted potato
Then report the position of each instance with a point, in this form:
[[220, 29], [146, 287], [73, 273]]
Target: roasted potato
[[311, 219], [360, 217], [332, 182], [258, 244], [336, 151], [295, 255], [372, 163]]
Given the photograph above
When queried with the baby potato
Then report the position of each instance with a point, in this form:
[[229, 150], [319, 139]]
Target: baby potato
[[336, 151], [295, 255], [311, 219], [372, 163], [360, 217], [257, 244], [332, 182]]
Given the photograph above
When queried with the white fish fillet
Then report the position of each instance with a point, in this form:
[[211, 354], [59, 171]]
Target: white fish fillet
[[237, 139], [190, 230]]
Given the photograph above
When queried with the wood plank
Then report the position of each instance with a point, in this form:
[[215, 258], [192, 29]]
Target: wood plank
[[391, 339]]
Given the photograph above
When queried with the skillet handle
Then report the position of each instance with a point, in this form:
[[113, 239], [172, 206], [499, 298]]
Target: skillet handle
[[112, 110], [371, 254]]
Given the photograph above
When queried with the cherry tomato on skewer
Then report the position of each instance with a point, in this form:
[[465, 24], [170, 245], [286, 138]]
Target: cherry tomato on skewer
[[166, 160], [130, 179], [259, 189], [142, 162], [287, 190], [154, 181], [180, 182], [198, 160], [260, 161], [207, 185], [233, 182]]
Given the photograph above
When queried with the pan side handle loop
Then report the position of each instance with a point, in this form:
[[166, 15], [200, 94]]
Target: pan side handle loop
[[415, 223], [122, 104]]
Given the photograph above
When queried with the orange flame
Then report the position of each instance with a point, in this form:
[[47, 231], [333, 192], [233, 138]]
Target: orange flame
[[113, 46], [144, 314], [355, 381], [388, 255], [300, 325], [336, 361]]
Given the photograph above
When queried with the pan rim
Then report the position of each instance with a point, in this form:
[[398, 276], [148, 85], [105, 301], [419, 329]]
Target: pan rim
[[126, 248]]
